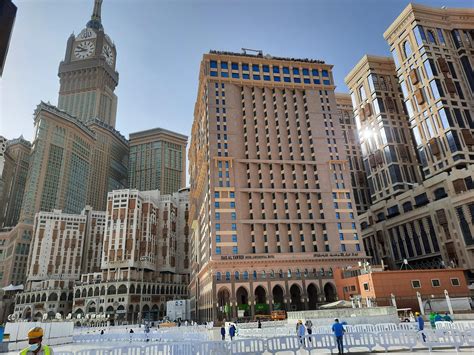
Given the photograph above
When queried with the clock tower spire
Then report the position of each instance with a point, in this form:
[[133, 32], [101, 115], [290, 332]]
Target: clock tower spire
[[95, 21], [87, 73]]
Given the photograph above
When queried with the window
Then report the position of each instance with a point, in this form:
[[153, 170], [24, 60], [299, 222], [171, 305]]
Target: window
[[286, 70], [296, 71], [276, 78], [441, 36], [436, 89], [216, 204], [234, 226], [366, 286], [218, 215], [213, 64], [430, 68], [218, 250], [227, 276], [362, 93], [305, 71], [431, 37], [234, 238], [435, 282], [407, 49], [343, 247], [276, 69], [235, 66], [233, 216], [246, 76], [218, 276], [218, 226], [455, 281], [315, 72], [213, 73], [266, 69], [325, 73], [218, 238], [415, 283], [255, 68], [419, 35], [287, 79], [245, 67], [235, 250], [236, 275], [256, 77], [232, 204], [232, 194]]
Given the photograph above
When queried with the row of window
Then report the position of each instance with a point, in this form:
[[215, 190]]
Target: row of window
[[272, 274], [436, 283]]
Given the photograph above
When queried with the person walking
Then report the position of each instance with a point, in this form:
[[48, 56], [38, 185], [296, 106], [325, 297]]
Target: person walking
[[259, 324], [35, 341], [301, 332], [421, 325], [232, 331], [309, 328], [338, 330], [131, 334], [223, 332]]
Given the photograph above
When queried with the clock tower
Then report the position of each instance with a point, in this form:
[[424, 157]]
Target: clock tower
[[87, 74]]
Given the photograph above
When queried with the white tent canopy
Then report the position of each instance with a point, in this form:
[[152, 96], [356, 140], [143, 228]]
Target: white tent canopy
[[13, 288], [338, 304]]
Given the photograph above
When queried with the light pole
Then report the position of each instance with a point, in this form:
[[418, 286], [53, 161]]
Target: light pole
[[140, 313]]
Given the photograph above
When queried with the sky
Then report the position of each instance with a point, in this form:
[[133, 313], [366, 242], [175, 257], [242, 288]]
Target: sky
[[160, 45]]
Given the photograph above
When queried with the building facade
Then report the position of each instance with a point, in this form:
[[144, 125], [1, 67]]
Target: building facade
[[157, 160], [372, 286], [15, 172], [353, 149], [61, 246], [143, 265], [428, 222], [433, 53], [271, 205]]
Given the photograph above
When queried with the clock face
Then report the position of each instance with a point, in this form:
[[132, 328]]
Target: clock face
[[84, 49], [108, 54]]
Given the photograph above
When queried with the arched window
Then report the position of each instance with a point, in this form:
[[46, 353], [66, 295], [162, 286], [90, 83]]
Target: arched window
[[289, 273], [407, 49], [236, 275], [246, 275], [227, 276], [264, 275], [305, 272], [298, 273], [272, 274], [254, 275], [218, 276], [280, 273], [431, 37]]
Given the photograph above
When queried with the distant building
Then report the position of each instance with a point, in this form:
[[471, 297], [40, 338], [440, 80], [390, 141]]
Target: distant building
[[271, 204], [157, 160], [15, 172], [375, 287], [7, 20]]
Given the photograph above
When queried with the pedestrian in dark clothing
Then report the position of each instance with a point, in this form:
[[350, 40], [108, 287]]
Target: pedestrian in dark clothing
[[232, 331], [223, 332], [259, 324], [102, 332], [309, 328], [421, 325], [338, 330], [447, 318]]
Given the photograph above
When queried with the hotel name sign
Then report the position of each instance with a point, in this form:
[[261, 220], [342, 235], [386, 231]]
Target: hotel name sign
[[315, 255]]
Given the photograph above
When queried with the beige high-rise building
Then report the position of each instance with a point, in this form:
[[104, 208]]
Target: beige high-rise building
[[157, 160], [63, 246], [352, 145], [144, 262], [429, 223], [272, 207], [15, 172]]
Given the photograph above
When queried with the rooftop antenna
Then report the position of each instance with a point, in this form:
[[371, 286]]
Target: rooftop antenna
[[258, 51]]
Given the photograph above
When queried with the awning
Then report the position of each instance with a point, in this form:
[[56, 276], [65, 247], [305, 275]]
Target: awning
[[13, 288]]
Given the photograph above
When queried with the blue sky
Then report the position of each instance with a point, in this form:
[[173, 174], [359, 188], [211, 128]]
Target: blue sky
[[160, 45]]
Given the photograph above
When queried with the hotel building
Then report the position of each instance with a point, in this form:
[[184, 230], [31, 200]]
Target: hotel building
[[271, 204], [425, 215]]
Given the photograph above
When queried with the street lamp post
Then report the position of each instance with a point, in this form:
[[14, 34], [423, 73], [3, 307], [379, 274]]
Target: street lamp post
[[140, 313]]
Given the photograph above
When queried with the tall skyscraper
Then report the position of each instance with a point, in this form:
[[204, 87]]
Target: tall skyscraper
[[87, 73], [7, 20], [77, 155], [157, 160], [271, 202], [17, 157], [425, 221], [359, 184], [389, 159]]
